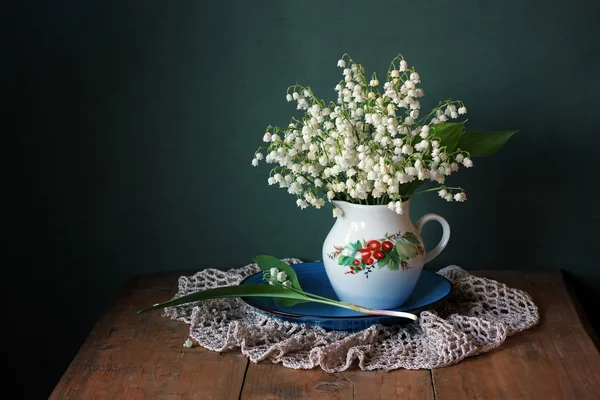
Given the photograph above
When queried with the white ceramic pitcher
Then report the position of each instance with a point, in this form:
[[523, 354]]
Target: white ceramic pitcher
[[373, 257]]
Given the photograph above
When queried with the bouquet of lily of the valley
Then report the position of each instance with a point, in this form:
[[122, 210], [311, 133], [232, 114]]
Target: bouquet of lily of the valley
[[374, 146]]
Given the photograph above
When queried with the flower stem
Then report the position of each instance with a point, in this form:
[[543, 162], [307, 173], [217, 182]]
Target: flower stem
[[354, 307], [438, 188], [371, 311]]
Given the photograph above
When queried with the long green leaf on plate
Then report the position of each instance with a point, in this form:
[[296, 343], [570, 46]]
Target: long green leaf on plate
[[249, 290]]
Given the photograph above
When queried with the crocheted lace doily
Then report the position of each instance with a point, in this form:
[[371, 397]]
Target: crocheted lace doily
[[477, 317]]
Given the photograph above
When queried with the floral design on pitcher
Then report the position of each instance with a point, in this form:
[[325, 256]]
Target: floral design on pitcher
[[391, 251]]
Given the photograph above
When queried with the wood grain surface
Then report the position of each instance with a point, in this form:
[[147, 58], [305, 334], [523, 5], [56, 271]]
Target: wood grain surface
[[130, 356], [267, 381]]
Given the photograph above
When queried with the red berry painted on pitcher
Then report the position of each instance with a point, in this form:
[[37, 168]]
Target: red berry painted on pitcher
[[364, 252], [387, 246], [394, 250], [368, 260], [374, 245]]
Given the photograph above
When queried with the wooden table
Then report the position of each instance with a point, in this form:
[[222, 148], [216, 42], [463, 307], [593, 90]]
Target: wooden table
[[130, 356]]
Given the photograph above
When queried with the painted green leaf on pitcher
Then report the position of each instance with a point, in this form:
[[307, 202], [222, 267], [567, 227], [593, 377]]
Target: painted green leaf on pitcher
[[407, 249], [411, 237]]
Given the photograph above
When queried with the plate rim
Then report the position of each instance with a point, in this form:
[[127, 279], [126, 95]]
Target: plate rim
[[340, 317]]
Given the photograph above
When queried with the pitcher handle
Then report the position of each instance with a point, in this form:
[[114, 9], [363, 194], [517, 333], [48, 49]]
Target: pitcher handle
[[445, 234]]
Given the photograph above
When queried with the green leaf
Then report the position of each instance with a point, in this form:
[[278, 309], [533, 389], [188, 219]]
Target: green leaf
[[407, 189], [401, 250], [394, 256], [485, 143], [348, 261], [285, 296], [383, 262], [411, 237], [449, 134], [394, 265], [357, 245], [249, 290], [407, 248], [285, 302], [345, 260], [265, 263]]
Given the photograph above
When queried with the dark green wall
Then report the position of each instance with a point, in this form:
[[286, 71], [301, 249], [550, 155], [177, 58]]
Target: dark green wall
[[135, 123]]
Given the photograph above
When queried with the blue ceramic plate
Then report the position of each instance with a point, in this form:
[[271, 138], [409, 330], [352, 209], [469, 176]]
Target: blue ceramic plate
[[431, 289]]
